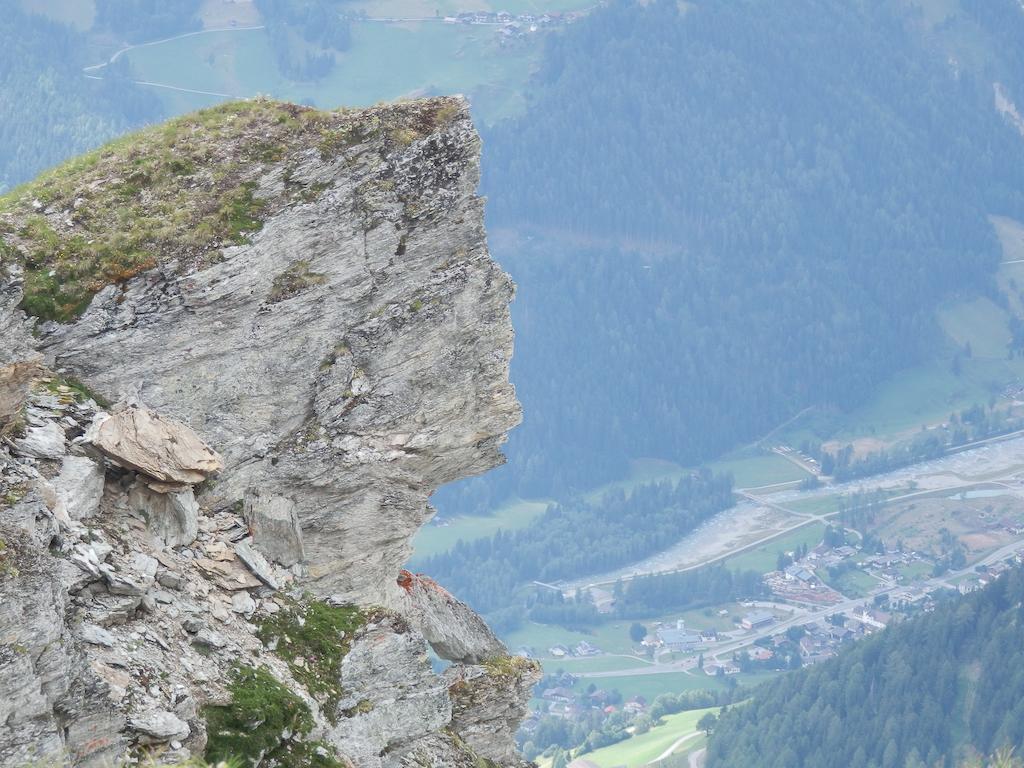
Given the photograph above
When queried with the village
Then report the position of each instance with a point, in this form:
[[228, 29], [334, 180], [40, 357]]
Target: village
[[514, 27], [807, 621]]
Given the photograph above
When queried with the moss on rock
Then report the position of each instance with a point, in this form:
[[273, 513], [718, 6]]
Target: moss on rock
[[313, 638], [264, 724], [180, 191]]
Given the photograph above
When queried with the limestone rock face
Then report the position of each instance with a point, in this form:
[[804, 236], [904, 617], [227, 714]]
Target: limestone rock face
[[315, 360], [489, 701], [275, 527], [393, 698]]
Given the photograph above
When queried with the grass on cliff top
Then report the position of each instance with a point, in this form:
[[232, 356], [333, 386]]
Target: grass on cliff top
[[181, 191], [314, 638]]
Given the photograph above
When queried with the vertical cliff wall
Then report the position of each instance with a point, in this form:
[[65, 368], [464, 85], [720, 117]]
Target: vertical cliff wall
[[298, 319]]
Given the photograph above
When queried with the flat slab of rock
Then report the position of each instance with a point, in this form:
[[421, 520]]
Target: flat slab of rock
[[161, 448], [228, 574], [159, 726], [256, 563], [45, 442]]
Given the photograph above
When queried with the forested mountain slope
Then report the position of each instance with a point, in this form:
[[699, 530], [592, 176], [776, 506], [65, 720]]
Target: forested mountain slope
[[733, 211], [51, 110], [923, 693]]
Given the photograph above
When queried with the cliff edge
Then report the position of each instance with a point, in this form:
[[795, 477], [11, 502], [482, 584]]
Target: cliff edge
[[240, 351]]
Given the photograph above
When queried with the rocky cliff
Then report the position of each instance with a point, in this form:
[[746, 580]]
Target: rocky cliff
[[239, 352]]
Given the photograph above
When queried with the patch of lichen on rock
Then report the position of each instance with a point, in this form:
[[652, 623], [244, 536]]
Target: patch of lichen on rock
[[293, 281], [511, 667], [313, 638], [181, 191], [264, 724]]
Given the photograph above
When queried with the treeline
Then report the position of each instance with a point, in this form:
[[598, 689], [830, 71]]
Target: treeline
[[728, 214], [967, 426], [138, 21], [578, 538], [921, 693], [652, 595], [304, 35], [648, 596], [51, 110]]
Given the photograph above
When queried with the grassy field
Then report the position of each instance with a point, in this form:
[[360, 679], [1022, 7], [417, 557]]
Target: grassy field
[[595, 664], [978, 322], [512, 516], [651, 686], [386, 62], [916, 570], [759, 470], [613, 635], [763, 558], [644, 748], [815, 505], [855, 583]]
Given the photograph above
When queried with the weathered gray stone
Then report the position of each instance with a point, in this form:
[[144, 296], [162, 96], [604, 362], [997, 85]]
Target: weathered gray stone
[[353, 397], [132, 576], [242, 602], [42, 670], [356, 398], [209, 638], [488, 703], [256, 563], [43, 442], [96, 635], [79, 486], [454, 630], [170, 579], [275, 527], [171, 518], [393, 698], [158, 726]]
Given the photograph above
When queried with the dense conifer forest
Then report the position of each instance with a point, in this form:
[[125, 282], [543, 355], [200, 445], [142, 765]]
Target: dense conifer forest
[[927, 692], [578, 538], [51, 109], [733, 211]]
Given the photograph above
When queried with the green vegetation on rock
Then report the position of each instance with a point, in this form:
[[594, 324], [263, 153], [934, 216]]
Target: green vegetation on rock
[[252, 728], [313, 638], [179, 192]]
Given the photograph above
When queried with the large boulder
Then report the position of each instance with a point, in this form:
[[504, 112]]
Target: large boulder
[[454, 630], [161, 448], [42, 442]]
